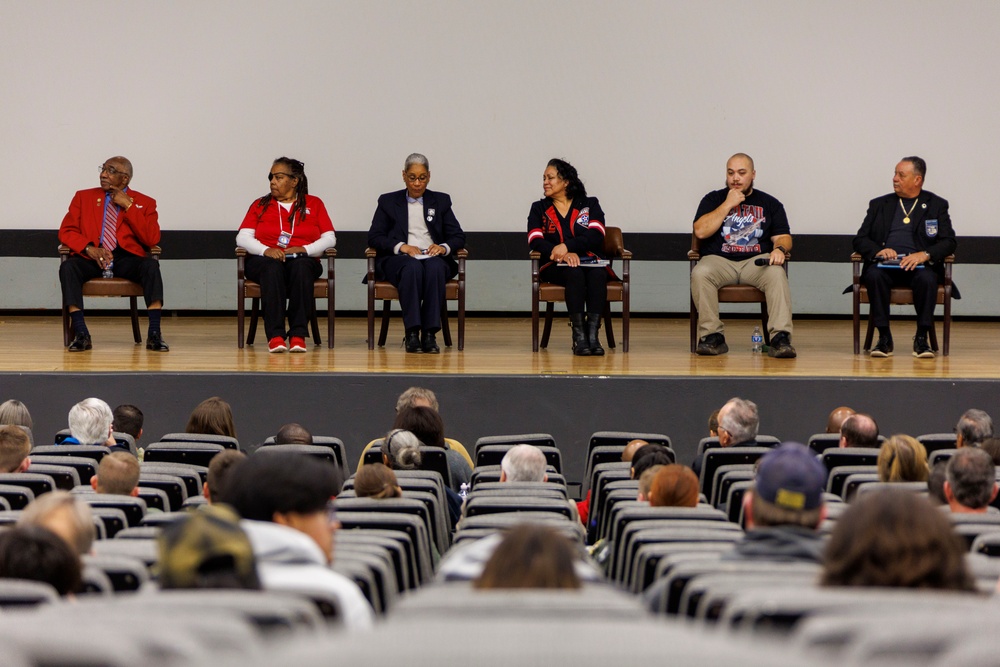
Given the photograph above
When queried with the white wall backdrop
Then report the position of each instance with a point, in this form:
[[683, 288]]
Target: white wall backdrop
[[646, 98]]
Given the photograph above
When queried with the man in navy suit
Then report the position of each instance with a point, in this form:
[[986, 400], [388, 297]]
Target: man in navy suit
[[416, 235], [904, 239]]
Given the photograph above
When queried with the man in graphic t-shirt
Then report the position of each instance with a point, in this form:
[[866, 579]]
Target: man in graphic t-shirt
[[904, 240], [744, 239]]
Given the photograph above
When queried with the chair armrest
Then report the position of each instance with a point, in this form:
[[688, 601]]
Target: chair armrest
[[64, 249], [241, 252], [694, 255], [855, 257], [370, 272], [155, 251], [534, 254], [626, 254], [948, 262], [370, 253], [330, 252], [462, 254]]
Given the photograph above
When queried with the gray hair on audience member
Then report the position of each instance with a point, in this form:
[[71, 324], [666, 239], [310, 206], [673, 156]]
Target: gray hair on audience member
[[402, 448], [974, 426], [416, 158], [524, 463], [90, 421], [971, 476], [417, 396], [15, 413], [43, 512], [741, 419]]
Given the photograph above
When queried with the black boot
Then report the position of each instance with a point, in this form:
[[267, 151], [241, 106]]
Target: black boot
[[594, 335], [581, 347]]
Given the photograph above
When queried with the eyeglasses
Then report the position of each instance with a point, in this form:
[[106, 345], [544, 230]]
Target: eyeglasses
[[423, 178], [111, 170], [278, 174]]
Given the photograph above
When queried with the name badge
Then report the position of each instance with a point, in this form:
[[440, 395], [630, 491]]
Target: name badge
[[931, 227], [284, 239]]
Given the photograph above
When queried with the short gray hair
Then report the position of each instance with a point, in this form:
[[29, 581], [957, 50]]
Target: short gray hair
[[974, 426], [416, 158], [90, 421], [402, 448], [741, 420], [407, 398], [524, 463], [972, 475]]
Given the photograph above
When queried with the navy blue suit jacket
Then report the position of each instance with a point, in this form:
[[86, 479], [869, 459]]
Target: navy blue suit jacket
[[390, 226]]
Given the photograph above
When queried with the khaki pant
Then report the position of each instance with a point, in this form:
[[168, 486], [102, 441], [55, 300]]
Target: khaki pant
[[714, 271]]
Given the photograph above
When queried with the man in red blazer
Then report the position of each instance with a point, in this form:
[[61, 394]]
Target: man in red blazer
[[111, 228]]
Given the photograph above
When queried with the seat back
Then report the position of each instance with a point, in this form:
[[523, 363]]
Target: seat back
[[87, 451], [133, 508], [224, 440], [197, 453], [173, 486], [537, 439], [489, 455], [713, 458], [65, 477], [85, 467], [849, 456], [335, 444]]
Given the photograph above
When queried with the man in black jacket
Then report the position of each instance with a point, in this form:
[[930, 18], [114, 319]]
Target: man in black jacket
[[904, 240]]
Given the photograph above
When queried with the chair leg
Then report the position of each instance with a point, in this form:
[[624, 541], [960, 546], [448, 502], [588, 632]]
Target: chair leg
[[315, 324], [694, 327], [932, 334], [254, 313], [240, 318], [626, 307], [133, 306], [330, 320], [763, 322], [856, 319], [445, 327], [534, 318], [461, 318], [384, 331], [65, 323], [947, 320], [608, 331], [549, 308], [371, 317], [869, 333]]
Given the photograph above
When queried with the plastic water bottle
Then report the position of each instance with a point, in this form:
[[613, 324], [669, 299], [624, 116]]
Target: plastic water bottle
[[756, 340], [463, 491], [109, 270]]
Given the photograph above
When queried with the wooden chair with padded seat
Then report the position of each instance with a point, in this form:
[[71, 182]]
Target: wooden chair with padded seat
[[454, 290], [730, 294], [108, 287], [550, 293], [323, 288], [899, 296]]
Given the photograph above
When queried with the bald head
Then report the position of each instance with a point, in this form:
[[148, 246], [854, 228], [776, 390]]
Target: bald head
[[837, 417], [859, 430], [631, 448]]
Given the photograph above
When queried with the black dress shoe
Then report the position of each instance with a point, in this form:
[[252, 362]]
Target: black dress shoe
[[883, 348], [429, 344], [80, 343], [412, 341], [155, 342], [921, 349]]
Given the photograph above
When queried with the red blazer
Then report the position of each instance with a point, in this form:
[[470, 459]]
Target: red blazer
[[138, 227]]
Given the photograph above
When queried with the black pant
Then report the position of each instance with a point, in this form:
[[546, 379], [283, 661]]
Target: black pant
[[585, 288], [291, 280], [77, 270], [421, 287], [923, 282]]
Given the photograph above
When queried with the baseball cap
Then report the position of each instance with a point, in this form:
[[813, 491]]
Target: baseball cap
[[791, 478]]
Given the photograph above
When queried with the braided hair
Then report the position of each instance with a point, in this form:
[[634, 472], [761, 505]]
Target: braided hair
[[567, 172], [297, 170]]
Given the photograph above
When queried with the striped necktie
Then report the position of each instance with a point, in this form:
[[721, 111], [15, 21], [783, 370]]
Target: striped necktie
[[109, 237]]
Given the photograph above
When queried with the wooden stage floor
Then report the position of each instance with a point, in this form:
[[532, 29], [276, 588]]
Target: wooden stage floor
[[494, 346]]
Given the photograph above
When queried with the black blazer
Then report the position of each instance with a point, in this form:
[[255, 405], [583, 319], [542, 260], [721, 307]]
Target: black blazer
[[390, 226], [881, 210]]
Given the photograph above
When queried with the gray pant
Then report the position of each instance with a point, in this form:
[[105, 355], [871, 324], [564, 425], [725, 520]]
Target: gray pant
[[714, 271]]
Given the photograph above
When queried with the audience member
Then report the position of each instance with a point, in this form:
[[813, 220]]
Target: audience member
[[220, 468], [417, 397], [674, 486], [738, 424], [64, 514], [293, 434], [213, 416], [427, 425], [713, 424], [902, 459], [15, 413], [128, 419], [893, 538], [970, 485], [935, 482], [646, 482], [835, 420], [631, 447], [973, 427], [206, 549], [531, 556], [117, 474], [859, 430], [376, 480], [286, 501], [90, 424], [401, 450], [784, 508], [14, 449], [523, 463], [649, 456], [37, 554], [991, 446]]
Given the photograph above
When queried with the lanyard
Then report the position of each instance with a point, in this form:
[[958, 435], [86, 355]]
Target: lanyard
[[281, 228]]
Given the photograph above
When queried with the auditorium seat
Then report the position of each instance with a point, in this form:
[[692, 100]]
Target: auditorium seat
[[414, 502], [133, 508], [537, 439], [126, 573], [193, 476], [147, 551], [489, 474], [535, 489], [336, 444], [713, 458], [320, 452], [919, 488], [378, 561], [198, 453], [705, 597], [838, 476], [173, 486], [17, 497], [849, 456], [399, 551], [85, 467], [16, 594], [413, 527], [87, 451], [224, 440], [66, 478]]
